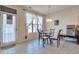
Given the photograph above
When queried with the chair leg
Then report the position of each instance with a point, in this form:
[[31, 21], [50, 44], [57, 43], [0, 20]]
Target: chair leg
[[51, 41], [43, 42], [39, 41], [58, 43], [47, 41]]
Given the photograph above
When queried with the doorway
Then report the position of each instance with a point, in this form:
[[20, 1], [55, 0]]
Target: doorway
[[9, 28]]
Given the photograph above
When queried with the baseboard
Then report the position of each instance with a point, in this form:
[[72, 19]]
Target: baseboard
[[21, 42]]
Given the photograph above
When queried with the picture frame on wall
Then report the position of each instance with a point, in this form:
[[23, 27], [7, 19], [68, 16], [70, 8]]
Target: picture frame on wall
[[56, 22]]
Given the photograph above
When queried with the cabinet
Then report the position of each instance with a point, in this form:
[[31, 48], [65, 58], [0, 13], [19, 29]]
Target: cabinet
[[70, 30]]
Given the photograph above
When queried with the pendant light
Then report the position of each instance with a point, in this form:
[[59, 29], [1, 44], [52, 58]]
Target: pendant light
[[48, 17]]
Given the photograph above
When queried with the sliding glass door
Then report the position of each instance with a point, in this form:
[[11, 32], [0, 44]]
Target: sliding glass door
[[9, 28], [0, 29]]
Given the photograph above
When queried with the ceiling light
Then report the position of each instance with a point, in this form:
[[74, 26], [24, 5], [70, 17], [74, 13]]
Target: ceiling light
[[48, 18]]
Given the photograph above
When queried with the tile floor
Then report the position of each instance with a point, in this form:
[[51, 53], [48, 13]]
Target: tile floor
[[32, 47]]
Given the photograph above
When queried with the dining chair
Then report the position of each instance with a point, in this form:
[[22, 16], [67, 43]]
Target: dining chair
[[44, 38], [56, 38], [51, 32], [39, 35]]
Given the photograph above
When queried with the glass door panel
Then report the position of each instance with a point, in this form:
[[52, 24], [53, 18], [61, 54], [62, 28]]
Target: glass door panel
[[0, 29], [9, 28]]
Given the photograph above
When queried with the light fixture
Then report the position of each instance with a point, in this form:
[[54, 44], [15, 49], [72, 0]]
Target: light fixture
[[49, 20], [48, 17]]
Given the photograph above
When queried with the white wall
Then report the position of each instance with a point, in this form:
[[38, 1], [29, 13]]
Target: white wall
[[66, 17], [20, 25]]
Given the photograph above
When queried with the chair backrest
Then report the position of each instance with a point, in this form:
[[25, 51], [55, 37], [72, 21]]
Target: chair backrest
[[52, 32], [40, 33], [58, 36], [38, 30]]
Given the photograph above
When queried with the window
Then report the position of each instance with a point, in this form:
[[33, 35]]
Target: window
[[33, 22], [40, 22], [29, 22]]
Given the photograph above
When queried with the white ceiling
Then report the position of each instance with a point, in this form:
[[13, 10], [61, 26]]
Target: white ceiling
[[43, 9]]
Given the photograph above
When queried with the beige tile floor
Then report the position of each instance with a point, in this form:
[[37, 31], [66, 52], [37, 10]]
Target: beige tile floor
[[32, 47]]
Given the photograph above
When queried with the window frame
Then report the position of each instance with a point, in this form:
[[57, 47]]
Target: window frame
[[37, 24]]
